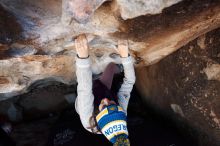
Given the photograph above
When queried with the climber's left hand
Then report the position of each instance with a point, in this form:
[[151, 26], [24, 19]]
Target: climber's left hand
[[123, 48], [81, 46]]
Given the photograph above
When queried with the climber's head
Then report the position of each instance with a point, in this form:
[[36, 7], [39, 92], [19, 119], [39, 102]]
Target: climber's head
[[112, 121]]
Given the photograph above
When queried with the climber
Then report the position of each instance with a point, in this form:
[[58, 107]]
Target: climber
[[101, 110]]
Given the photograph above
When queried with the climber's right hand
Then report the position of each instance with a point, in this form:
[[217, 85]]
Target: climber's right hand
[[81, 46], [123, 48]]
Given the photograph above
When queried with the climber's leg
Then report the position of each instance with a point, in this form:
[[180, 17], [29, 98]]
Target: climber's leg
[[108, 74]]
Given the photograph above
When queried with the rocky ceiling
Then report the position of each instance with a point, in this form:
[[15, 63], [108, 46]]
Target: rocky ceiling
[[37, 37]]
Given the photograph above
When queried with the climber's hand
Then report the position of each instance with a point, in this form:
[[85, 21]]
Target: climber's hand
[[81, 45], [123, 48]]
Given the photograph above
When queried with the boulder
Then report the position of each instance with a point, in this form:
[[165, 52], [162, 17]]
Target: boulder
[[19, 50], [51, 55], [133, 8], [81, 10], [185, 86], [44, 100]]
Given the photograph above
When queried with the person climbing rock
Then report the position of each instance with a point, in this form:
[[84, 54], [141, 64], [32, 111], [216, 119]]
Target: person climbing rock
[[102, 111]]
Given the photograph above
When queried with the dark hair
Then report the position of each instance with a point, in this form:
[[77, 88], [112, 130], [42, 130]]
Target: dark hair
[[92, 121]]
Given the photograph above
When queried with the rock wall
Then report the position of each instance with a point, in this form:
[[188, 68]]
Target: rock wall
[[37, 46], [46, 21], [42, 46], [130, 9], [185, 85]]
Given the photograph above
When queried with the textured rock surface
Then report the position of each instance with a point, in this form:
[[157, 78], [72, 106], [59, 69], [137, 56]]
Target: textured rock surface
[[43, 100], [81, 10], [151, 38], [134, 8], [187, 83], [22, 72], [10, 29], [36, 46], [19, 50], [48, 24]]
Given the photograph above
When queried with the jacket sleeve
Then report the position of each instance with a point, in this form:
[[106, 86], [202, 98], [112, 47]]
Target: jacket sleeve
[[85, 98], [128, 82]]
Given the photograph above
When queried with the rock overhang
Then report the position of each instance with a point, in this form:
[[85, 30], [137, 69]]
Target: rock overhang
[[49, 30]]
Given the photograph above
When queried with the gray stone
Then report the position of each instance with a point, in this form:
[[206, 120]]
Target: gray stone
[[70, 98], [188, 83], [18, 50], [134, 8], [177, 109], [42, 101], [12, 112], [45, 100], [201, 41], [81, 10]]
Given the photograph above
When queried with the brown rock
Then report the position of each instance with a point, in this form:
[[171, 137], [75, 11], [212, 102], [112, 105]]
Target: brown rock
[[82, 10], [148, 45], [4, 80], [178, 82], [201, 42], [43, 100]]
